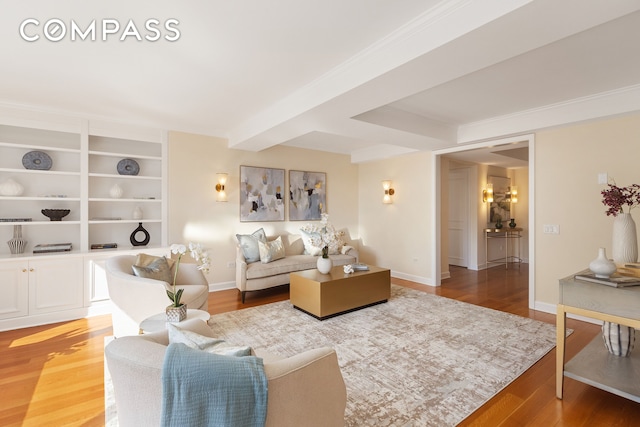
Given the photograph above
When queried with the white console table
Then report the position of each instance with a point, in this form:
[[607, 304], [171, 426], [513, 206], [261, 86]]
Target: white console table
[[511, 237]]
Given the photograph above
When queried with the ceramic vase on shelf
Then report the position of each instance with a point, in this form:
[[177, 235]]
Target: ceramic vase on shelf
[[499, 224], [625, 240], [137, 212], [602, 266], [11, 188], [115, 191], [618, 339], [176, 314], [324, 265], [17, 244], [512, 223]]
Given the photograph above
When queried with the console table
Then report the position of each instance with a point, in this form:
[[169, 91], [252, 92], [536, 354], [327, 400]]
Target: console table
[[594, 365], [508, 234]]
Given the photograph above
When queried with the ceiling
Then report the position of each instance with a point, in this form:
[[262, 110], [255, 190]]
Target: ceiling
[[367, 78]]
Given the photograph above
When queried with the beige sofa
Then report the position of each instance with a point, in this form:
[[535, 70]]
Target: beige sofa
[[135, 298], [255, 276], [303, 390]]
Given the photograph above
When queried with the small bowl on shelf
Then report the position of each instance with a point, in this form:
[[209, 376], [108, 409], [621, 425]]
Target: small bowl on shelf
[[55, 214]]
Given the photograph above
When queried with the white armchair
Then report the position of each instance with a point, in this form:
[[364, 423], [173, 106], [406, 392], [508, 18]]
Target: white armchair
[[303, 390], [135, 298]]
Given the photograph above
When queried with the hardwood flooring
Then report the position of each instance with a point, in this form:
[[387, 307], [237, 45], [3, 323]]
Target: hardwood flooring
[[53, 375]]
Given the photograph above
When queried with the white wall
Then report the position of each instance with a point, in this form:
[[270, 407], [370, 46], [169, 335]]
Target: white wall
[[567, 193], [398, 236], [194, 214]]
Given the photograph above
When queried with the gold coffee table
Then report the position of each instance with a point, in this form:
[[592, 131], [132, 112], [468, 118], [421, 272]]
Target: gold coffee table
[[327, 295]]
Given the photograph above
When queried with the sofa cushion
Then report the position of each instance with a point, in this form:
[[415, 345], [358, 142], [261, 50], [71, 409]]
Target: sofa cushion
[[202, 342], [292, 263], [249, 244], [313, 243], [271, 251]]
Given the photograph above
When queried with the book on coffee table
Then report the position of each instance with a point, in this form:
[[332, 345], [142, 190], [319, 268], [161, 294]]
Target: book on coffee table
[[360, 267]]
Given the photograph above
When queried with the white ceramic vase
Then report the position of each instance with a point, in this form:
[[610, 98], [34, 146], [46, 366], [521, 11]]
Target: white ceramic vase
[[137, 213], [625, 239], [11, 188], [324, 265], [602, 266], [115, 192]]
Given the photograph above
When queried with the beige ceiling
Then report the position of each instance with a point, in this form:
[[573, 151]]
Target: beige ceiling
[[369, 78]]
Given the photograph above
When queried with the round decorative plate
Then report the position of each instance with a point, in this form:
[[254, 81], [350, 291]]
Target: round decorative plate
[[37, 160], [128, 167]]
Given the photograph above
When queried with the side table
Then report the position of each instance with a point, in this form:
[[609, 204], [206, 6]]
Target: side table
[[594, 365], [508, 235], [158, 322]]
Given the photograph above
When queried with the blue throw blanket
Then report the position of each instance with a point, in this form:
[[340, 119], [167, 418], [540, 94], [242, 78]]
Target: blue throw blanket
[[205, 389]]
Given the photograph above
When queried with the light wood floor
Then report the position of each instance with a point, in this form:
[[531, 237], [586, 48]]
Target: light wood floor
[[53, 375]]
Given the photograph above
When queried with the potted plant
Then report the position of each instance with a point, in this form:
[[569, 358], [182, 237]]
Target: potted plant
[[324, 263], [177, 311]]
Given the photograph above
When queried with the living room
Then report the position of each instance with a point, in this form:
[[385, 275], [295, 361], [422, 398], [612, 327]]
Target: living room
[[572, 141]]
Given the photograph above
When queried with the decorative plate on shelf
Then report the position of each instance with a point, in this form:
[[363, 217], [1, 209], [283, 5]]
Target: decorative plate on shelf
[[128, 167], [38, 160]]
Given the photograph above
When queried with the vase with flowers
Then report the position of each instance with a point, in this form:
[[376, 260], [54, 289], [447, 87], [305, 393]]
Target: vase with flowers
[[625, 240], [177, 311]]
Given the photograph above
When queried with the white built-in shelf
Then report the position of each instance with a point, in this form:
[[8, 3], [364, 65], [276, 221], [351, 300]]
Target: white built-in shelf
[[107, 175]]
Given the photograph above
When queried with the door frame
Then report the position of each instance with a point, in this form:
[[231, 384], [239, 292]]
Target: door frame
[[437, 200]]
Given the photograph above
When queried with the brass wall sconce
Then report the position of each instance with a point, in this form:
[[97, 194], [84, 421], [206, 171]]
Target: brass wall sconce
[[388, 192], [220, 187], [512, 194], [487, 194]]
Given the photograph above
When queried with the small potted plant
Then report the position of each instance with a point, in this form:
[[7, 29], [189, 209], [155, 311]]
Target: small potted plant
[[177, 311], [324, 263]]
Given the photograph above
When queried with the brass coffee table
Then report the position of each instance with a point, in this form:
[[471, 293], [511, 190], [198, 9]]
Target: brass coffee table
[[327, 295]]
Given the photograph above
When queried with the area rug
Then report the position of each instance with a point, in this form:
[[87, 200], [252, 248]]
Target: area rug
[[417, 360]]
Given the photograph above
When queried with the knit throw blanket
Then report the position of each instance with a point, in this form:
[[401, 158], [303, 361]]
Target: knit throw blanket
[[205, 389]]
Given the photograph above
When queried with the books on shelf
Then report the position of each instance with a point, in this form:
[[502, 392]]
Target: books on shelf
[[616, 280], [15, 219], [104, 246], [52, 247]]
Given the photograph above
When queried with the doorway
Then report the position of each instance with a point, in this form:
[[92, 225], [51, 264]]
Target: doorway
[[521, 144]]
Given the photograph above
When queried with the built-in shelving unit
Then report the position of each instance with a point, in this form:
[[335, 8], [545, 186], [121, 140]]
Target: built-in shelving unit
[[85, 156]]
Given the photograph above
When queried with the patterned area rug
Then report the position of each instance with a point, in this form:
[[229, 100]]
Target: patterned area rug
[[418, 360]]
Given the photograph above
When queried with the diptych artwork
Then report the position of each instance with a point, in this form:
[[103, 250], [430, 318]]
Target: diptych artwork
[[261, 194]]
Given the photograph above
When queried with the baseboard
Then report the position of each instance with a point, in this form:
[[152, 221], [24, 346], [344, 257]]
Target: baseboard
[[413, 278], [221, 286], [553, 309]]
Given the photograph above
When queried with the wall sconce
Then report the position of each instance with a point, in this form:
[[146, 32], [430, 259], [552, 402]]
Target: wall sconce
[[388, 192], [487, 194], [222, 181], [512, 194]]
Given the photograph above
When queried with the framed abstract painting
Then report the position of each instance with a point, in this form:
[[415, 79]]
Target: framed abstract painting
[[261, 194], [307, 195]]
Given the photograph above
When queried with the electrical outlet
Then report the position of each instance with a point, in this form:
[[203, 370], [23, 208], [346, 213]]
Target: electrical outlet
[[603, 178], [551, 229], [231, 264]]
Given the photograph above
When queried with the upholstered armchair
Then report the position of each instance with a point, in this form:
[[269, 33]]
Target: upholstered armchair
[[303, 390], [135, 298]]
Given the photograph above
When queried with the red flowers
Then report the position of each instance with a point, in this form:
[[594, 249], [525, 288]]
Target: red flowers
[[615, 198]]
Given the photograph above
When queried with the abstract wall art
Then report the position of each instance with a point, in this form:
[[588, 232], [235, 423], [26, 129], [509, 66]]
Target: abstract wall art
[[307, 195], [261, 194]]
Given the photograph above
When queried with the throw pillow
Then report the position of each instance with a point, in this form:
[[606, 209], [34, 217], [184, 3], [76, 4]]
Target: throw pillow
[[271, 251], [158, 269], [312, 242], [204, 343], [143, 260], [249, 244]]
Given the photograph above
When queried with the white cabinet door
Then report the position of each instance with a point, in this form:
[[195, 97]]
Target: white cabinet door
[[55, 284], [14, 288]]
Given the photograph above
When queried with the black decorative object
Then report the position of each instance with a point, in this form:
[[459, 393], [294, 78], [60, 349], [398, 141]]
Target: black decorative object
[[128, 167], [136, 242], [55, 214], [512, 224], [37, 160]]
